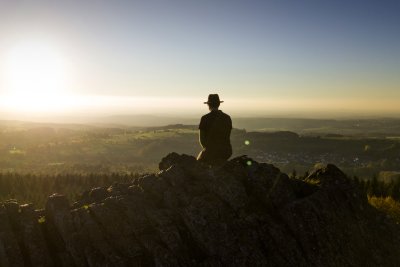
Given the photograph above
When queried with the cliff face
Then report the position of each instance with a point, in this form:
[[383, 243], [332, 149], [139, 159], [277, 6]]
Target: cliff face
[[242, 214]]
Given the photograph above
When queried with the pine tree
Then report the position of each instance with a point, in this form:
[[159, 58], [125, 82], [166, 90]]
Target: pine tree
[[374, 187]]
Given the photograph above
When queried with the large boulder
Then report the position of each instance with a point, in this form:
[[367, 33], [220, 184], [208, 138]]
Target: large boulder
[[243, 213]]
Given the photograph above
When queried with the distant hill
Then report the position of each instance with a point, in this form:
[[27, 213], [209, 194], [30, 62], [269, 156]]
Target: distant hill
[[172, 127], [382, 127], [145, 120], [365, 127]]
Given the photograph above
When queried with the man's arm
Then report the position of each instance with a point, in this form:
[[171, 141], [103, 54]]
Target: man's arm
[[202, 138]]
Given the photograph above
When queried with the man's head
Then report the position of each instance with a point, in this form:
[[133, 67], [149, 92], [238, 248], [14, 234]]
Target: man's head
[[213, 101]]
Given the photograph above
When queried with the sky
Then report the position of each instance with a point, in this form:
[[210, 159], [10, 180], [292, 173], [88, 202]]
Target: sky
[[265, 58]]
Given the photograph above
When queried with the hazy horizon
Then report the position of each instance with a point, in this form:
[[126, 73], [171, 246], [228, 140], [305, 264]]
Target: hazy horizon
[[163, 119], [106, 106]]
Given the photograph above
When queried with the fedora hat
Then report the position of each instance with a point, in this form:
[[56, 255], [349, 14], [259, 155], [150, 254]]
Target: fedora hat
[[213, 98]]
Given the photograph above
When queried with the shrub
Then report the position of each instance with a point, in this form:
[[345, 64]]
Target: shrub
[[387, 205]]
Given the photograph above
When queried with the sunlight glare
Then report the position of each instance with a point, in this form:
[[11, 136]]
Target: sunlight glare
[[36, 77]]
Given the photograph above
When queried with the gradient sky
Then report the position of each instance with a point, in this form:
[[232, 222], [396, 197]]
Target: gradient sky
[[262, 57]]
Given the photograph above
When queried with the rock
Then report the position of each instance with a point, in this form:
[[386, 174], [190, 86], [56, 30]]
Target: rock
[[326, 176], [118, 189], [10, 252], [243, 213], [185, 161], [98, 194], [36, 250], [61, 234]]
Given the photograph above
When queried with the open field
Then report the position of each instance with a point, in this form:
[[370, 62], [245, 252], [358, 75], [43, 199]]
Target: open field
[[37, 148]]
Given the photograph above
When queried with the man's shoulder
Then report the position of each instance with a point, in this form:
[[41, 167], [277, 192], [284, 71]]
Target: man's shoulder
[[204, 121], [225, 115], [213, 114], [205, 116]]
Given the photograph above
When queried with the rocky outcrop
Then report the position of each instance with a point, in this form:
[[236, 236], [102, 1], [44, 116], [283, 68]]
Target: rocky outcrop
[[241, 214]]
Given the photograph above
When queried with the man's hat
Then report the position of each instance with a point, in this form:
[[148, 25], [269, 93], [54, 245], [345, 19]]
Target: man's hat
[[212, 99]]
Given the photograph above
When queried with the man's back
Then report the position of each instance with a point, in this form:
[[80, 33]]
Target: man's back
[[216, 127]]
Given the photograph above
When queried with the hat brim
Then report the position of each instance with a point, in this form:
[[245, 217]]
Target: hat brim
[[213, 102]]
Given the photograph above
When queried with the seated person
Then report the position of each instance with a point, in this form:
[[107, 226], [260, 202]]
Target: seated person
[[215, 130]]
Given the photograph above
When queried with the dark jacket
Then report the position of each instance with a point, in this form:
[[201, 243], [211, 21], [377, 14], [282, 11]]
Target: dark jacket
[[216, 127]]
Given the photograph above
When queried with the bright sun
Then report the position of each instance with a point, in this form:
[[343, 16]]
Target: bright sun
[[36, 77]]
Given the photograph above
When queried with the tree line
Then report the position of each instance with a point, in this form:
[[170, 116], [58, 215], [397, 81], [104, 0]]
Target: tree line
[[378, 188]]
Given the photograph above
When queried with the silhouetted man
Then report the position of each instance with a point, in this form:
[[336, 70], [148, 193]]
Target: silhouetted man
[[215, 130]]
